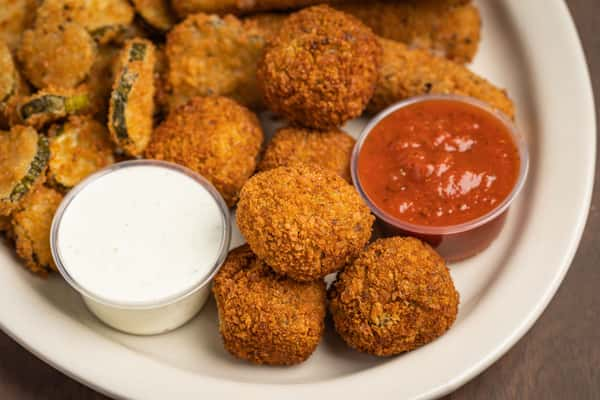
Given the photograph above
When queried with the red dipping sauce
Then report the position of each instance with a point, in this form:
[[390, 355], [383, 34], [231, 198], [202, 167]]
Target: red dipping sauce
[[439, 166]]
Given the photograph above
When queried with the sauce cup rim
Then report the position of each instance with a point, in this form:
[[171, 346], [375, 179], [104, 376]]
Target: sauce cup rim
[[517, 137], [174, 298]]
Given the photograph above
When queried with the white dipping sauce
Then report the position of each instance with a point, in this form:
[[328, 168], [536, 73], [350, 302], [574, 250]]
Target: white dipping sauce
[[139, 235]]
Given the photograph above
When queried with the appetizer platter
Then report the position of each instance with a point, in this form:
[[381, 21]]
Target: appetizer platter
[[286, 198]]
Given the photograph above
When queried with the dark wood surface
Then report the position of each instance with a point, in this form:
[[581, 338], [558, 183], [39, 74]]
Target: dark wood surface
[[559, 358]]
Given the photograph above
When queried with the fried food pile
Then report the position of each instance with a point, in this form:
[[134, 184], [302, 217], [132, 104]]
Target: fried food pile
[[84, 84]]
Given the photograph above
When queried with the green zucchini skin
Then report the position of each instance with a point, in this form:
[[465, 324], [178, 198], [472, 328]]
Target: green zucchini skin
[[119, 99], [36, 168], [49, 107]]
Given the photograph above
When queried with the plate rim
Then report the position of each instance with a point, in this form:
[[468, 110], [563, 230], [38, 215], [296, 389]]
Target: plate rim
[[588, 111]]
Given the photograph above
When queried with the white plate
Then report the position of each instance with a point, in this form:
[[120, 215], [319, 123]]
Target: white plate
[[531, 47]]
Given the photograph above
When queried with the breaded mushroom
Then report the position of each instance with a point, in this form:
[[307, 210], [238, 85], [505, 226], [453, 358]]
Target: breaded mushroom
[[410, 72], [330, 149], [321, 68], [78, 147], [214, 136], [59, 55], [304, 221], [209, 55], [23, 161], [396, 296], [266, 318], [31, 229]]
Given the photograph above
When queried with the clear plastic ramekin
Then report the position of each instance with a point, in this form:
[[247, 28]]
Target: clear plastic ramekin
[[145, 318], [453, 242]]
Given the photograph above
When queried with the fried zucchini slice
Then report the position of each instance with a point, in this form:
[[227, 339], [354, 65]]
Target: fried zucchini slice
[[31, 229], [8, 73], [23, 161], [78, 148], [103, 19], [131, 110], [58, 55], [157, 13], [209, 55], [15, 17], [50, 105], [99, 82]]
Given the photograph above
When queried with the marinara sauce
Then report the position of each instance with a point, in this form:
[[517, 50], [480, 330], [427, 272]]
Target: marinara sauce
[[438, 163]]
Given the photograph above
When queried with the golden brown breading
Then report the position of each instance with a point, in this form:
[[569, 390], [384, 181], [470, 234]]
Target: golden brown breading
[[100, 80], [237, 7], [157, 13], [131, 107], [15, 17], [266, 318], [213, 136], [303, 221], [31, 229], [396, 296], [23, 163], [51, 104], [209, 55], [103, 19], [321, 68], [440, 26], [78, 148], [331, 150], [58, 55], [8, 73], [405, 73]]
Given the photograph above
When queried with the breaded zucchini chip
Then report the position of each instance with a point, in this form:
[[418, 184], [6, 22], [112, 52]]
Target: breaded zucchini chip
[[23, 162], [131, 107], [8, 74], [99, 82], [209, 55], [15, 17], [103, 19], [157, 13], [31, 229], [78, 148], [51, 104], [59, 55], [238, 7]]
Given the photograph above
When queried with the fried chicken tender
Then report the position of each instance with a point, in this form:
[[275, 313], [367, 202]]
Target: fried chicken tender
[[331, 150], [405, 73], [320, 70], [396, 296], [441, 26], [303, 221], [210, 55], [15, 17], [266, 318], [214, 136], [59, 55], [78, 148], [31, 229], [237, 7]]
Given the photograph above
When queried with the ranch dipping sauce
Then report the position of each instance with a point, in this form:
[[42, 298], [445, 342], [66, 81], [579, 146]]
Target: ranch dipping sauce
[[141, 241]]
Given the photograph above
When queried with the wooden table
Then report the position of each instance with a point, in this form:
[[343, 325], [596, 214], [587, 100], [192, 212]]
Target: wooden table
[[559, 358]]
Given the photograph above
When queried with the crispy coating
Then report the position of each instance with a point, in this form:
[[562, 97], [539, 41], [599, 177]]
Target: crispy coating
[[157, 13], [103, 19], [78, 148], [58, 55], [31, 229], [397, 295], [214, 136], [266, 318], [23, 163], [210, 55], [447, 29], [15, 17], [131, 109], [237, 7], [320, 70], [304, 221], [331, 150], [8, 73], [100, 80], [405, 73], [51, 104]]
